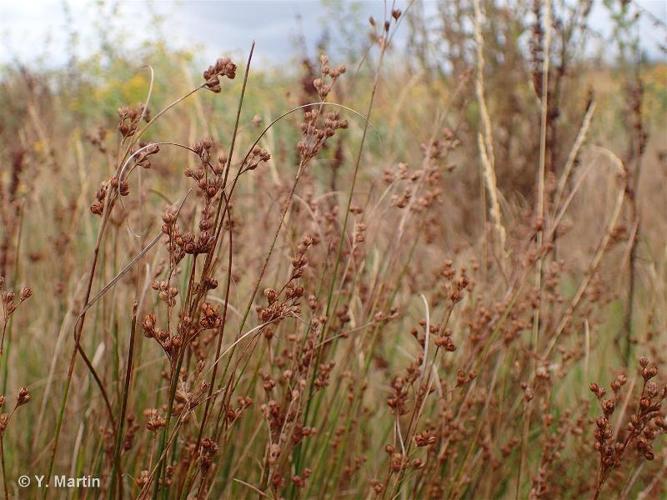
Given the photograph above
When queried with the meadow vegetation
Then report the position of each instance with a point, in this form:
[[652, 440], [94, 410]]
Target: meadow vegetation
[[427, 269]]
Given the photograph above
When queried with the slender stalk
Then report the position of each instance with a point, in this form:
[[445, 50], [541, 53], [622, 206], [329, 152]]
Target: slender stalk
[[2, 460], [535, 337], [109, 203], [117, 469], [78, 329], [221, 331]]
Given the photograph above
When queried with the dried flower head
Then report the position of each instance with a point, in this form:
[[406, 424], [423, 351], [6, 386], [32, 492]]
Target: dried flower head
[[223, 68]]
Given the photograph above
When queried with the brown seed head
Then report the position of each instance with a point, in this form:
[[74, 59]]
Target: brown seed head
[[23, 397]]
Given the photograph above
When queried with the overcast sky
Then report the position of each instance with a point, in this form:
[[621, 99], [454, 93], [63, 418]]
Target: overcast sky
[[31, 30]]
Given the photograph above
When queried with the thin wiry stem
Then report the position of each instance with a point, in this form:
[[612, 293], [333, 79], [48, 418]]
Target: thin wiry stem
[[2, 461], [227, 211], [535, 337], [109, 201], [121, 420]]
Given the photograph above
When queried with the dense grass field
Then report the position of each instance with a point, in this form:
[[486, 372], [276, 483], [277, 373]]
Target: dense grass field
[[427, 269]]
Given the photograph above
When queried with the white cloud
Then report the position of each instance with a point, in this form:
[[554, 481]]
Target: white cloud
[[39, 30]]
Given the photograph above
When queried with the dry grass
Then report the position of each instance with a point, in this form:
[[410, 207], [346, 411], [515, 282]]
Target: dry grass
[[387, 281]]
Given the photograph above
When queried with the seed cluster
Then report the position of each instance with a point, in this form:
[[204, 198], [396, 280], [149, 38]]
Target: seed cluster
[[223, 68], [643, 425]]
